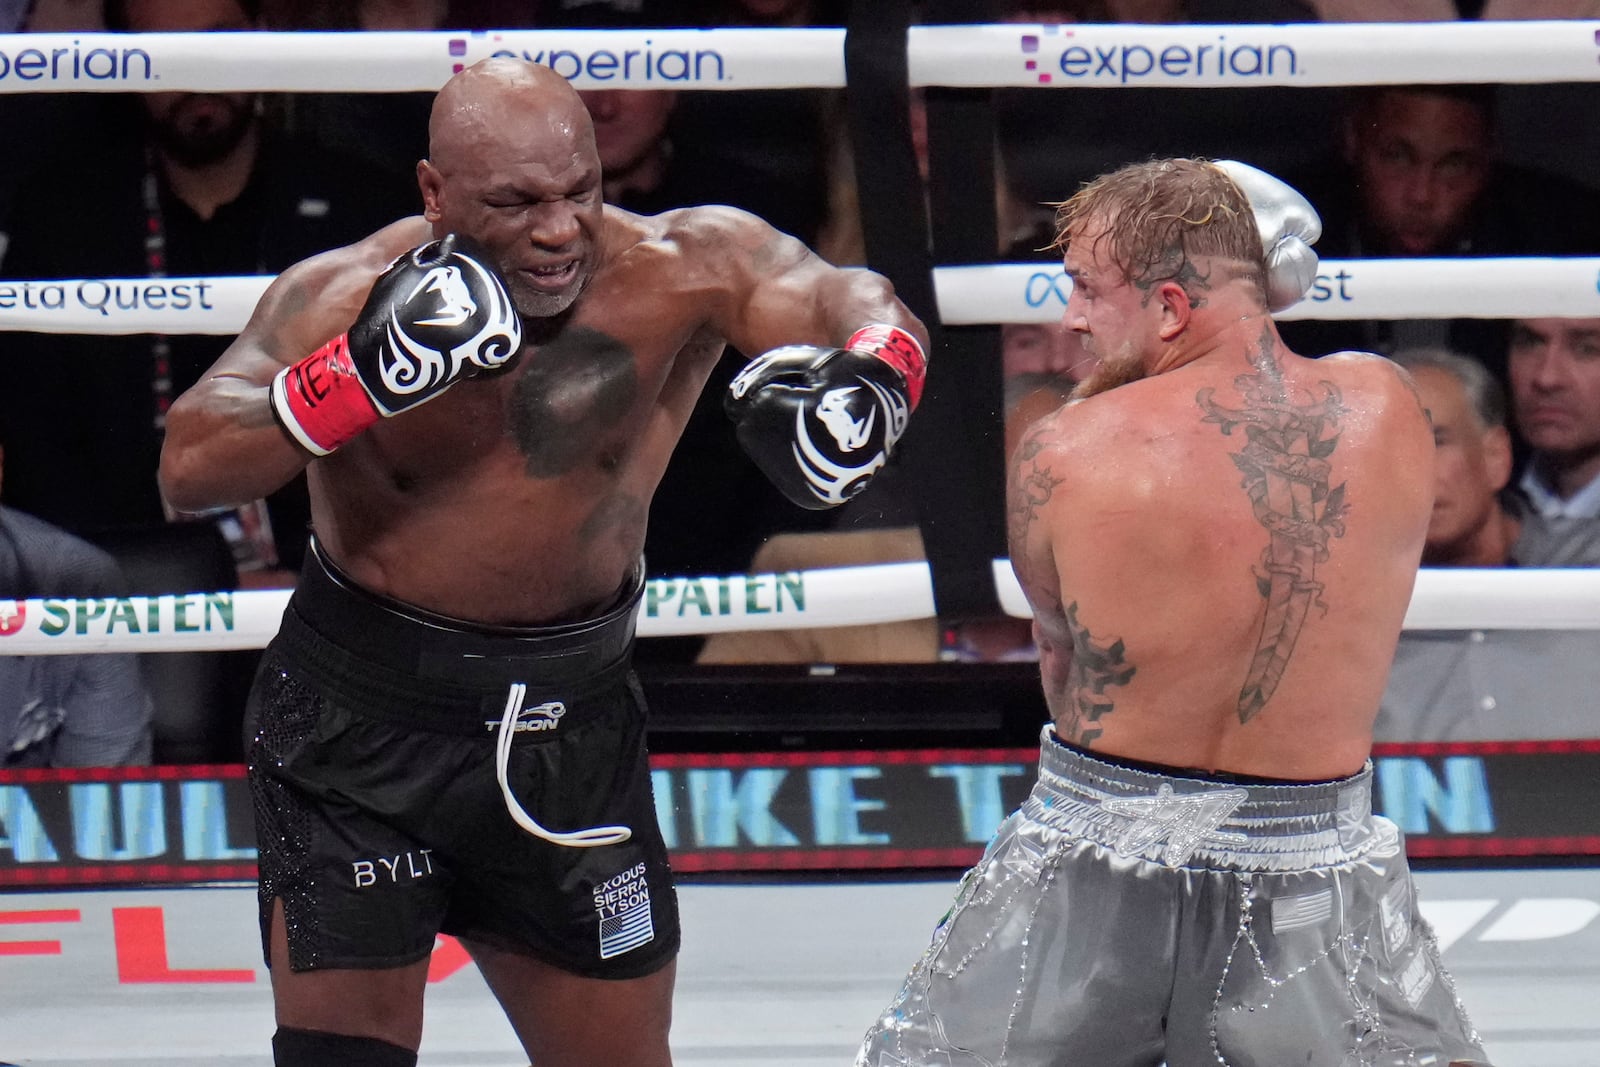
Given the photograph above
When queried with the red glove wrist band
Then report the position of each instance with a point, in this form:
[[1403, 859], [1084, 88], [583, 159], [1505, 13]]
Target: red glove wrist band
[[897, 348], [320, 401]]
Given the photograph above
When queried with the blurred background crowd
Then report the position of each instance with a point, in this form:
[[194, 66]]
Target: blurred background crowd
[[222, 184]]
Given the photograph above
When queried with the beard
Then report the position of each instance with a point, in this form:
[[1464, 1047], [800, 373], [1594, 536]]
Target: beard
[[1108, 374], [204, 129]]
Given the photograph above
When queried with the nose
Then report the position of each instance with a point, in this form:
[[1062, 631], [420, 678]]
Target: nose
[[555, 226], [1073, 318], [1421, 186]]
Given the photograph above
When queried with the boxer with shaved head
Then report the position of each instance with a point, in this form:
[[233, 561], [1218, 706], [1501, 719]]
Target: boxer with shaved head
[[446, 735]]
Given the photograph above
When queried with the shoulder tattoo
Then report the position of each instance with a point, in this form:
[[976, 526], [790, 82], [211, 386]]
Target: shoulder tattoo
[[1032, 486], [1284, 461]]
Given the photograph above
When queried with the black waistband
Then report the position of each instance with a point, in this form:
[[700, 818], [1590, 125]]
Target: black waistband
[[381, 652]]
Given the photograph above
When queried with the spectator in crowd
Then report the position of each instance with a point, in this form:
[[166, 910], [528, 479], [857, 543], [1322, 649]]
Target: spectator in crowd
[[1555, 388], [64, 710], [1487, 684], [1450, 10], [1477, 521], [1420, 175], [164, 185]]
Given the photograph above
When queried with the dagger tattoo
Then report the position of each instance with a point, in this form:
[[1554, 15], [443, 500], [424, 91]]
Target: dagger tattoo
[[1286, 473]]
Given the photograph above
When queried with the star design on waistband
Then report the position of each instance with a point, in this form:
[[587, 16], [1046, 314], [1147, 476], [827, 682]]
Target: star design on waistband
[[1182, 820]]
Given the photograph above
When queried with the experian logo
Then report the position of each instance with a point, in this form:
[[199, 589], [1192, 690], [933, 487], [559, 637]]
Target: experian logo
[[1125, 63], [642, 64], [74, 64]]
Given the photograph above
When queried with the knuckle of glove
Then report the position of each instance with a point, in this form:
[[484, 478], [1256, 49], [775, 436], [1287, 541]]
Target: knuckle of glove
[[1288, 225], [436, 315], [819, 422]]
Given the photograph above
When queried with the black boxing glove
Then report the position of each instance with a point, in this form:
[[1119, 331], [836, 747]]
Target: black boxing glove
[[438, 314], [820, 422]]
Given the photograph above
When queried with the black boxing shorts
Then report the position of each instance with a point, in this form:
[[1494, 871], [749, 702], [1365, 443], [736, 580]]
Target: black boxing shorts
[[372, 736]]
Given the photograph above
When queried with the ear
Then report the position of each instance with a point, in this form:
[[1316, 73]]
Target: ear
[[431, 182], [1175, 309], [1497, 457]]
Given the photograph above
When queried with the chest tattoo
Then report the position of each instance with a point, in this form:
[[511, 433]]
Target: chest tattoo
[[573, 394]]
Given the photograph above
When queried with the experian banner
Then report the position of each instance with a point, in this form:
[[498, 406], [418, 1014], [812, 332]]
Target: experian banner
[[416, 61], [1080, 55], [894, 809]]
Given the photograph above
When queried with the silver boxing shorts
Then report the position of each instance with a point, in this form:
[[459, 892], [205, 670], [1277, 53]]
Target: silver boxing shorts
[[1123, 916]]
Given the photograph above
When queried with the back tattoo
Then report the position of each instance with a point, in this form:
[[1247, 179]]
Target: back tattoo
[[1286, 475], [1094, 668]]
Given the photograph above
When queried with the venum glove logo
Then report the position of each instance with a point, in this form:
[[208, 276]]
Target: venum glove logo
[[836, 474], [849, 433], [424, 335]]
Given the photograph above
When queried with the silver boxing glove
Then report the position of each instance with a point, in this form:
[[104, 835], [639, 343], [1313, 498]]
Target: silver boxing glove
[[1289, 226]]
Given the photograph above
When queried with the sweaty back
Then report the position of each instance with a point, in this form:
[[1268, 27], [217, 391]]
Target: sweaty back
[[1236, 543]]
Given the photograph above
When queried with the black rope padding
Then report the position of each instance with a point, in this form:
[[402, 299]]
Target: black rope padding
[[953, 456]]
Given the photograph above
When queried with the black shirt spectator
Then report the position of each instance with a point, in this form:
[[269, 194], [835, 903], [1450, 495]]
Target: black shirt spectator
[[1419, 174], [86, 446]]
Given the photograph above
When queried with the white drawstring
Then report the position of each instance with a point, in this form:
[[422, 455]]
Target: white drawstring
[[595, 835]]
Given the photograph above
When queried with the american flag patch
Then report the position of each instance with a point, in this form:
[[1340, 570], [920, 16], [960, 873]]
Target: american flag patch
[[1416, 979], [1291, 913], [623, 905], [1394, 908]]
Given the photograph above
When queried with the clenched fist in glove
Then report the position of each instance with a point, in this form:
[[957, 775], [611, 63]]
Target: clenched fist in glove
[[821, 421], [440, 313], [1289, 226]]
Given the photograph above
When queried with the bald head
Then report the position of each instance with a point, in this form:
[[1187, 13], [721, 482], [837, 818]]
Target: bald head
[[500, 100], [513, 165]]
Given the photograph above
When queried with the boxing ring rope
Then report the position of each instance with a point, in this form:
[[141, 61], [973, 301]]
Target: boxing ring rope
[[1444, 599], [1103, 56], [984, 294], [974, 56]]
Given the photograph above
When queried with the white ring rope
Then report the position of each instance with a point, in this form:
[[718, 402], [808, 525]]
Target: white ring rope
[[1444, 599], [1240, 56], [1105, 56], [1487, 288], [416, 62]]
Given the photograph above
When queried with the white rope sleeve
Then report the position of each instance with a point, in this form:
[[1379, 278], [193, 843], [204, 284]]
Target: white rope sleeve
[[1446, 599], [411, 61], [1490, 288], [1485, 288], [1083, 55]]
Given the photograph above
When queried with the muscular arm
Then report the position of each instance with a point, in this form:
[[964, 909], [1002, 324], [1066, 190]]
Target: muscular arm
[[782, 293], [223, 447]]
